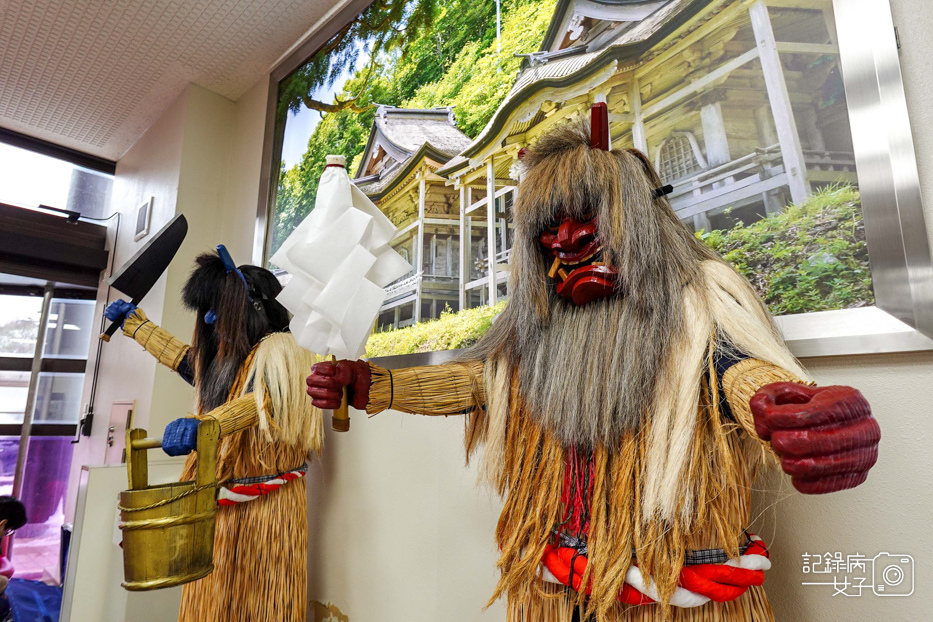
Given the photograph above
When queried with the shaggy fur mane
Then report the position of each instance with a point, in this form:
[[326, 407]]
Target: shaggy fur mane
[[592, 372]]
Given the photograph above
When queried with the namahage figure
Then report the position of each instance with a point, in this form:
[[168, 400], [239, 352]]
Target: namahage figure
[[242, 362], [626, 399]]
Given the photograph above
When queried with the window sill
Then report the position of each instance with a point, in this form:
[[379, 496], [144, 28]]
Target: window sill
[[846, 332]]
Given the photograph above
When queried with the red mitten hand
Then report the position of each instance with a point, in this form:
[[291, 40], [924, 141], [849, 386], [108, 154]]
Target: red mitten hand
[[327, 380], [826, 436]]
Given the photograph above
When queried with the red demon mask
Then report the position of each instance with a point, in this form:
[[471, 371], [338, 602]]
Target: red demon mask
[[575, 248], [577, 265]]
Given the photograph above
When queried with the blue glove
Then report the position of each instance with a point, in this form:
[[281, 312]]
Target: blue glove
[[117, 311], [180, 437]]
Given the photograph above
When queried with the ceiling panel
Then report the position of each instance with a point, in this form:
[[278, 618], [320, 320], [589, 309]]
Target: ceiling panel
[[94, 75]]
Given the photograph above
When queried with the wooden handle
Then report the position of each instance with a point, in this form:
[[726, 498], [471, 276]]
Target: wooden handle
[[147, 443], [208, 439], [107, 334], [137, 466], [340, 422]]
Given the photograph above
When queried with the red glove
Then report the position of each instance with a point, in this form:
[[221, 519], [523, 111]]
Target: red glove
[[826, 436], [327, 380]]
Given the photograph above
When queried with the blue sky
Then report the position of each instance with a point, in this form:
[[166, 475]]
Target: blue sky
[[301, 125]]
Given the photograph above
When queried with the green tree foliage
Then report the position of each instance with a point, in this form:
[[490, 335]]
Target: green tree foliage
[[447, 57], [809, 257], [386, 26], [344, 133], [449, 332], [480, 78]]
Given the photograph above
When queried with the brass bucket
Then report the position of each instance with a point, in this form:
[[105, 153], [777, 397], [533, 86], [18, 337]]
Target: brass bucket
[[168, 530]]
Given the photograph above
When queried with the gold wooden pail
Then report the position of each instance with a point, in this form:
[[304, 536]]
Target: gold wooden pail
[[168, 530]]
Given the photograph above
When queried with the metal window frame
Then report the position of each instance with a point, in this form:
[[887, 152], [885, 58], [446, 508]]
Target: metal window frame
[[40, 429], [53, 365], [60, 152], [889, 182], [340, 16]]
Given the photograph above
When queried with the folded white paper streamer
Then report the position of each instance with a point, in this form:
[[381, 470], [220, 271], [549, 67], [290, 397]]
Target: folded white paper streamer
[[340, 261]]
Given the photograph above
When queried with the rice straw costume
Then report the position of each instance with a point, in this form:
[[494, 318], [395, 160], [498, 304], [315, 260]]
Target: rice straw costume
[[242, 362], [626, 399]]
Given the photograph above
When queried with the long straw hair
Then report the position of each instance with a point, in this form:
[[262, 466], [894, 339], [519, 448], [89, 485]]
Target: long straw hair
[[221, 348], [592, 372]]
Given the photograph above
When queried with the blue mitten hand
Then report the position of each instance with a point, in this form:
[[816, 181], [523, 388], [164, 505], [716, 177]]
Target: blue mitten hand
[[118, 310], [180, 437]]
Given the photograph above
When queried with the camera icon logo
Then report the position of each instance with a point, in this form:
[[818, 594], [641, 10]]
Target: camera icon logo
[[893, 575]]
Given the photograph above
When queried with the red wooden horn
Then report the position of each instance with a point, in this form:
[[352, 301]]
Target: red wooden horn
[[599, 126]]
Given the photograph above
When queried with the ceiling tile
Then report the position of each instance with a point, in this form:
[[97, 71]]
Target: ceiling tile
[[94, 75]]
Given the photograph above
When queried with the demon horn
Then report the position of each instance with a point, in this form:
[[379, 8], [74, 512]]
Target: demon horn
[[599, 127]]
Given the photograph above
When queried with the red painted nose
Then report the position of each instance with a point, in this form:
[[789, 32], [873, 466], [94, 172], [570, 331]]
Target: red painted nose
[[573, 235]]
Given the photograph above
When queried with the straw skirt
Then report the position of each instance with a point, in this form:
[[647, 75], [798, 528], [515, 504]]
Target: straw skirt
[[260, 562], [552, 606]]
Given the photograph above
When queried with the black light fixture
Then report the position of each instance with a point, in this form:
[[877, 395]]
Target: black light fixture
[[71, 216]]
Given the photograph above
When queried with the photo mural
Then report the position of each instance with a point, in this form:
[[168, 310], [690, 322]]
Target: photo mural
[[739, 104]]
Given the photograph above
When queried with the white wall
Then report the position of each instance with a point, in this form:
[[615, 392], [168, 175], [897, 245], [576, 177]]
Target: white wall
[[397, 528], [201, 159], [95, 564], [150, 169]]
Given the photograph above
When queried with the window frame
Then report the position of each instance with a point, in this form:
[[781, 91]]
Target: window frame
[[902, 271], [48, 365], [889, 182], [319, 34]]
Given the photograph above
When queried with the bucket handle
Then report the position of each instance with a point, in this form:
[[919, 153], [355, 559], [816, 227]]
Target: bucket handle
[[137, 465]]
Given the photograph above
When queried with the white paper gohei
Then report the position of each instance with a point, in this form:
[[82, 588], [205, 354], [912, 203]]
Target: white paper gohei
[[340, 261]]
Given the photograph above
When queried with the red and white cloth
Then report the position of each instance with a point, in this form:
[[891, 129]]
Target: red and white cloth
[[242, 490], [698, 583]]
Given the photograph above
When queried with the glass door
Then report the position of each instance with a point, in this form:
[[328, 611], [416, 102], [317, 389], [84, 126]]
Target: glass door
[[56, 369]]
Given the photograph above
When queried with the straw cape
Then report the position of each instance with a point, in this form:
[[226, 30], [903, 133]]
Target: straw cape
[[268, 428], [528, 464], [261, 547], [617, 422]]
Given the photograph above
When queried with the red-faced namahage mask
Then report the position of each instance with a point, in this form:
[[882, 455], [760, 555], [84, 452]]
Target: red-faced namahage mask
[[577, 264], [573, 245]]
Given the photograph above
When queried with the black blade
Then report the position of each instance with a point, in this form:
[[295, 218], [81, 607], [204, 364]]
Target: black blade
[[137, 276]]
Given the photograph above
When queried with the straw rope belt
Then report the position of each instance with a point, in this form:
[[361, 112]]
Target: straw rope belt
[[231, 492], [242, 490], [702, 579]]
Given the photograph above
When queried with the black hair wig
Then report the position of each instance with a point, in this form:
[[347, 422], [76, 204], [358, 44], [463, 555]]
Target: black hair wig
[[244, 315], [12, 511]]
